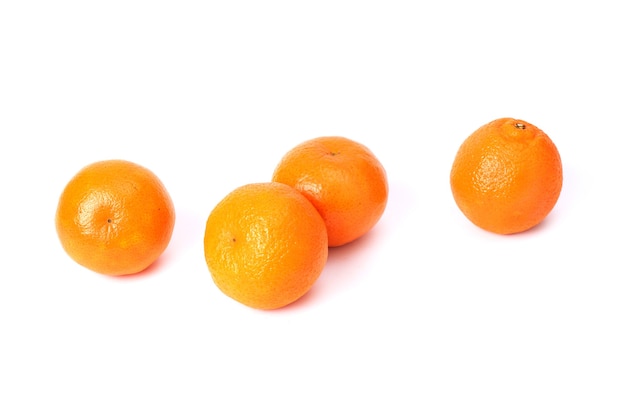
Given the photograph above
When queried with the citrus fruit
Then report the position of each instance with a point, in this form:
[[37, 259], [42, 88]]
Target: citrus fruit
[[115, 217], [343, 179], [507, 176], [265, 245]]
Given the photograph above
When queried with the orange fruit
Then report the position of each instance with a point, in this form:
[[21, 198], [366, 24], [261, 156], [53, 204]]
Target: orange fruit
[[343, 179], [265, 245], [507, 176], [115, 217]]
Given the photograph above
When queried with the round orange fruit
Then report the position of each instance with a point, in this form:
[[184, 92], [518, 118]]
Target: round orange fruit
[[265, 245], [115, 217], [507, 176], [343, 179]]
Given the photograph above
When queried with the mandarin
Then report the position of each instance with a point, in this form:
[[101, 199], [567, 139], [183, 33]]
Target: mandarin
[[115, 217], [507, 176], [265, 245], [343, 179]]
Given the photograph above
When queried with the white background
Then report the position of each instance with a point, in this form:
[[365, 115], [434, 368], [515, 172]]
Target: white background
[[427, 315]]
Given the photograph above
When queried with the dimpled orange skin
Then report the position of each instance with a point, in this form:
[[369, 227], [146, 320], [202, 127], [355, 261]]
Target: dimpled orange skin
[[265, 245], [343, 179], [507, 176], [115, 217]]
